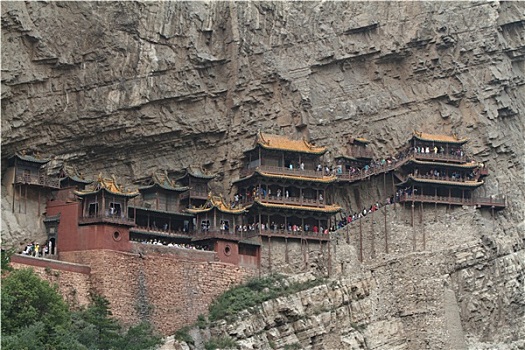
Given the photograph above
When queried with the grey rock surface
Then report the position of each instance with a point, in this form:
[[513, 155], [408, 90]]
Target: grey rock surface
[[132, 87]]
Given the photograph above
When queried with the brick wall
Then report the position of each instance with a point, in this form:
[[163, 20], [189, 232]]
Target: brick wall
[[170, 290]]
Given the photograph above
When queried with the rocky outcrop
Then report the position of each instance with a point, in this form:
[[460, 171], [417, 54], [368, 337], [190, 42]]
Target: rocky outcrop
[[457, 292], [131, 87]]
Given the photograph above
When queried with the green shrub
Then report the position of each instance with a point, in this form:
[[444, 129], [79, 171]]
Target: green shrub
[[184, 335], [254, 292], [220, 343]]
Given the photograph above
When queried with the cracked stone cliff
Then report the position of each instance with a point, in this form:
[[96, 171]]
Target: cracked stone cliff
[[174, 92]]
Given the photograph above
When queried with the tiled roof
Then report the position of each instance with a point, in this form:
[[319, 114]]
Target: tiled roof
[[345, 157], [324, 209], [196, 172], [109, 185], [31, 159], [360, 140], [216, 202], [470, 165], [162, 180], [72, 173], [324, 179], [439, 138], [278, 142]]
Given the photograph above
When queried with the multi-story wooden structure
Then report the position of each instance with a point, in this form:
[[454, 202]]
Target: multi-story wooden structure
[[157, 212], [28, 177], [102, 220], [197, 181], [439, 171], [222, 227], [358, 155], [71, 178], [285, 187]]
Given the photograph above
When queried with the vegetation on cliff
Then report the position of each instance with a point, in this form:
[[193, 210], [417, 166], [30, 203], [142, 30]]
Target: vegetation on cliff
[[255, 292], [34, 316]]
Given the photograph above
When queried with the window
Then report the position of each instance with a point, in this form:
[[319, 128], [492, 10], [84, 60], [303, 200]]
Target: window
[[205, 225], [93, 209], [114, 209]]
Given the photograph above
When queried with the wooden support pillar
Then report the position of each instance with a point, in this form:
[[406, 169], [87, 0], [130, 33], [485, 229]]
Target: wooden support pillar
[[329, 259], [306, 251], [423, 229], [421, 213], [39, 203], [394, 190], [347, 234], [435, 204], [20, 198], [14, 193], [25, 199], [412, 220], [413, 229], [373, 244], [361, 239], [286, 258], [449, 197], [386, 233], [270, 252]]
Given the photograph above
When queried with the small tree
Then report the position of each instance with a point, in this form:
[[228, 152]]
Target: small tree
[[27, 299]]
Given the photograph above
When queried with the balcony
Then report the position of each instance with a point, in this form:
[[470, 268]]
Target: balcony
[[155, 231], [106, 219], [38, 180], [441, 156], [194, 194], [496, 202]]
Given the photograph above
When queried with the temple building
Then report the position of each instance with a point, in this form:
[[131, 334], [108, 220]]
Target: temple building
[[222, 227], [358, 155], [28, 178], [70, 177], [197, 181], [157, 213], [97, 220], [439, 171], [285, 188]]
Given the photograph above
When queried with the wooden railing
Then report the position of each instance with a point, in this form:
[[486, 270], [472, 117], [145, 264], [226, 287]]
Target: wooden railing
[[159, 231], [440, 156], [111, 219], [306, 202], [496, 202], [443, 178], [194, 194], [41, 180], [372, 171]]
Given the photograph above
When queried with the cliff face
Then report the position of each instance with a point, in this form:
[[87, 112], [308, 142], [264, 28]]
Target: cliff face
[[130, 87]]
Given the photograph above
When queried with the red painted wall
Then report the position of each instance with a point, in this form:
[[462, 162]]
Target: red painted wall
[[67, 228], [72, 237], [227, 251]]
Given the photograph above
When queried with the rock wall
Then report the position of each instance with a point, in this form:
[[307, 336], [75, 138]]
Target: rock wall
[[456, 292], [131, 87]]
